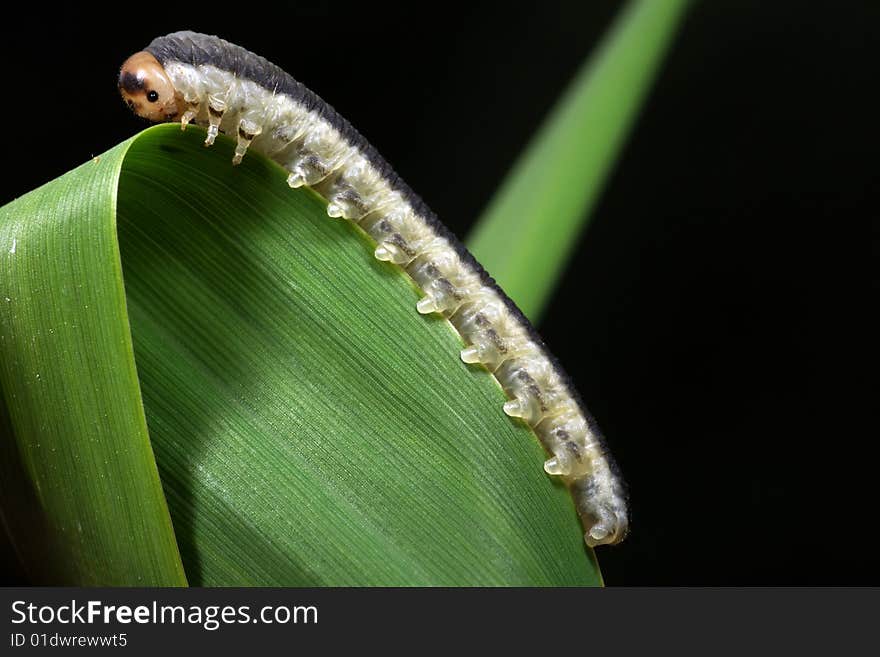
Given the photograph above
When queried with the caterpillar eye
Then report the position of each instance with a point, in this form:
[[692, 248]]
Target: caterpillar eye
[[152, 96]]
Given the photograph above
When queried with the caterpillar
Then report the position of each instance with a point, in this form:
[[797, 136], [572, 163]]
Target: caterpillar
[[197, 78]]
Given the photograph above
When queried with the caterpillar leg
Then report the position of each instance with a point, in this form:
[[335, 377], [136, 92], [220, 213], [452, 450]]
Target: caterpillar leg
[[346, 204], [527, 407], [601, 508], [568, 459], [186, 118], [192, 111], [431, 272], [394, 249], [489, 349], [309, 169], [216, 108], [247, 130], [440, 296], [556, 466], [392, 252], [306, 171]]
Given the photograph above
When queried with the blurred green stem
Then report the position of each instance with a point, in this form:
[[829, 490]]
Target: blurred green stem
[[526, 234]]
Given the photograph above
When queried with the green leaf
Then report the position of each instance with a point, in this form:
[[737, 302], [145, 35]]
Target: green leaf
[[309, 426], [81, 497], [530, 227]]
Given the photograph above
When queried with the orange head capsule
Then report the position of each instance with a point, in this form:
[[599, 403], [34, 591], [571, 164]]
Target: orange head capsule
[[146, 88]]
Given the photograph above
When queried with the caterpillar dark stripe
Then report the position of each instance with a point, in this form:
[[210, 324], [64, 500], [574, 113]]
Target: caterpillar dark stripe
[[190, 77]]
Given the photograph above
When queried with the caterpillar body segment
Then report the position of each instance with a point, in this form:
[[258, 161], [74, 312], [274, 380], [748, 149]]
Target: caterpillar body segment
[[196, 78]]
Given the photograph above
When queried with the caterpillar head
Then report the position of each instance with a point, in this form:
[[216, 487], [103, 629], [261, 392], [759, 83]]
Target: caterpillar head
[[147, 89]]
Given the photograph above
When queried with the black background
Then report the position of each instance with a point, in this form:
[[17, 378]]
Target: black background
[[704, 317]]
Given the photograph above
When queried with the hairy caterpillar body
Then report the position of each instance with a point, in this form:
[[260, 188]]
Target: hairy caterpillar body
[[203, 79]]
